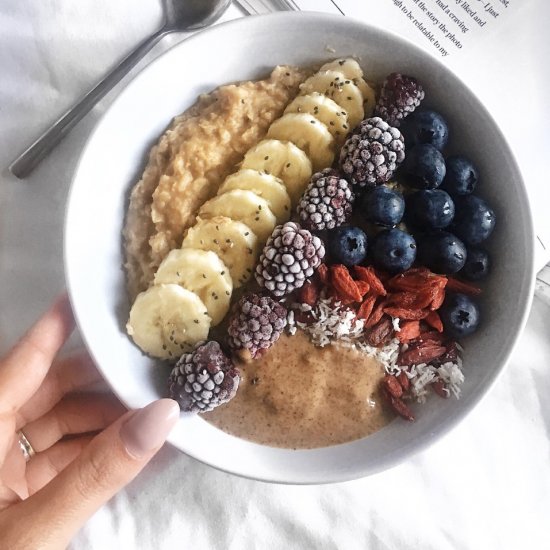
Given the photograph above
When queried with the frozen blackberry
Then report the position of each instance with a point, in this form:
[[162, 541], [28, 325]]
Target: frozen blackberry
[[327, 201], [203, 379], [289, 258], [372, 153], [255, 325], [400, 95]]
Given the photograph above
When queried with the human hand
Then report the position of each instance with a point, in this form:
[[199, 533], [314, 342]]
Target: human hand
[[45, 498]]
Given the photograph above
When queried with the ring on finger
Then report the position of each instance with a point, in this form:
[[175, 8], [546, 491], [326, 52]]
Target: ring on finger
[[25, 446]]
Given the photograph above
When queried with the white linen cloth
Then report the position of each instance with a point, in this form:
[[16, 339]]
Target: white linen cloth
[[484, 486]]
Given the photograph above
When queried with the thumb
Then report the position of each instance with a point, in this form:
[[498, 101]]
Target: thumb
[[111, 460]]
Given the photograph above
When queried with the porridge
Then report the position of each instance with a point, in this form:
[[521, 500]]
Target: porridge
[[305, 257]]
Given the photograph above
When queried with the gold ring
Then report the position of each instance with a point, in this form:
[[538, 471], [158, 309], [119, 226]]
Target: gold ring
[[25, 446]]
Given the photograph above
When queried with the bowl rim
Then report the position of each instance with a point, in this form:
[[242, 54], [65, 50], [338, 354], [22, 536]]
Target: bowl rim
[[529, 276]]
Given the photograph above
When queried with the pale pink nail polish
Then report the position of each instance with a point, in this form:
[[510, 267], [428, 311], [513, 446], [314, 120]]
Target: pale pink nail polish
[[149, 427]]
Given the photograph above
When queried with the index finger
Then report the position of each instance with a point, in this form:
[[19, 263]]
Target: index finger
[[23, 369]]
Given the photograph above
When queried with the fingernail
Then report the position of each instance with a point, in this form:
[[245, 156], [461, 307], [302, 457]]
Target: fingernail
[[149, 427]]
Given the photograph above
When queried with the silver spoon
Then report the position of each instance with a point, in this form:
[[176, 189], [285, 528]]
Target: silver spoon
[[179, 15]]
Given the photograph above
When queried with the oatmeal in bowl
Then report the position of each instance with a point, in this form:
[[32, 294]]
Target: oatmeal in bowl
[[341, 234], [313, 254]]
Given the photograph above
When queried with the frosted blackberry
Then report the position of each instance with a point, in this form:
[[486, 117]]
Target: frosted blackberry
[[327, 202], [400, 95], [372, 153], [255, 325], [289, 258], [203, 379]]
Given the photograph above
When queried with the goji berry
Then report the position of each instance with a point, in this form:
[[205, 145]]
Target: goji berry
[[408, 331], [368, 275], [363, 287], [343, 284], [376, 315], [322, 273], [308, 294], [460, 286], [406, 314], [365, 309], [434, 321]]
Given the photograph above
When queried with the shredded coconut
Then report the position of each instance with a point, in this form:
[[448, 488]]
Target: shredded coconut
[[395, 323], [333, 321]]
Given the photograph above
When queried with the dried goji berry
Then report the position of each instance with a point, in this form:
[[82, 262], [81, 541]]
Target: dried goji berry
[[450, 355], [430, 336], [322, 273], [415, 279], [365, 309], [460, 286], [343, 284], [434, 321], [404, 381], [400, 407], [376, 315], [420, 354], [438, 298], [308, 294], [406, 314], [381, 333], [392, 385], [368, 275], [411, 300], [363, 287], [408, 331]]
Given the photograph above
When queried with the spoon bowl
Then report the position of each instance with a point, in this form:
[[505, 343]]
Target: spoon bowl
[[192, 14], [179, 15]]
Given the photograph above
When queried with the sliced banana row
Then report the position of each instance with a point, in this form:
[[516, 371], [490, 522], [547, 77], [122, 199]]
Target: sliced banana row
[[193, 285], [233, 241], [167, 320], [201, 272]]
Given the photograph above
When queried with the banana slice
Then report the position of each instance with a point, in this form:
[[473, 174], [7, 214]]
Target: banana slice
[[335, 85], [167, 321], [201, 272], [326, 110], [244, 206], [309, 134], [283, 160], [233, 241], [267, 186], [346, 65], [350, 69]]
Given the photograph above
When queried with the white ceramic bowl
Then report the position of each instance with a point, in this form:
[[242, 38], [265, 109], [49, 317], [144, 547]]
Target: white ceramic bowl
[[114, 158]]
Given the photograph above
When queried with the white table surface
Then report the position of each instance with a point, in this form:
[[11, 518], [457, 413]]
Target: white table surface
[[484, 486]]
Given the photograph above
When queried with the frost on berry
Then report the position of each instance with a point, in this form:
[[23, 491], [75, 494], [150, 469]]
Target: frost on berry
[[203, 379], [255, 325], [289, 258], [372, 153], [400, 96], [327, 202]]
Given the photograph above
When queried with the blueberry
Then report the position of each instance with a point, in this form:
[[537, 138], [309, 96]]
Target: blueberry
[[461, 177], [383, 206], [460, 315], [430, 209], [393, 250], [425, 126], [442, 252], [474, 219], [347, 245], [477, 264], [424, 167]]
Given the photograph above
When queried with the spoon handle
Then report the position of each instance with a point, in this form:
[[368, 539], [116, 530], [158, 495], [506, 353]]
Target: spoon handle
[[31, 157]]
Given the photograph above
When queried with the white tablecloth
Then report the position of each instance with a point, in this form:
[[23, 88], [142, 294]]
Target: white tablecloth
[[485, 486]]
